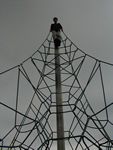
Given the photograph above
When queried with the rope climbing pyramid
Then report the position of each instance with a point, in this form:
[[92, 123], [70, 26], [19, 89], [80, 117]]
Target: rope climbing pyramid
[[87, 100]]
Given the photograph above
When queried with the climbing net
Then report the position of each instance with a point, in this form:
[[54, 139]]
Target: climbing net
[[28, 100]]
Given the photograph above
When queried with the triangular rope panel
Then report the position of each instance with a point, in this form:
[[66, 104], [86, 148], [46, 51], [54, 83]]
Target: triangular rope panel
[[28, 101]]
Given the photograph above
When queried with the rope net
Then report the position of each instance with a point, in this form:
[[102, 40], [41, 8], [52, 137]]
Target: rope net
[[28, 101]]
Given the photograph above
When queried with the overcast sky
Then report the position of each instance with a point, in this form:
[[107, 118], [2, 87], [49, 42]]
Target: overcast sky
[[24, 25]]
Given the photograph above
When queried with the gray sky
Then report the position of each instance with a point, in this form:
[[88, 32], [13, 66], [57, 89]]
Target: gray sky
[[24, 25]]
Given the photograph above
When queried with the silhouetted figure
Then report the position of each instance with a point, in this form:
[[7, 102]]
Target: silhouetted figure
[[55, 29]]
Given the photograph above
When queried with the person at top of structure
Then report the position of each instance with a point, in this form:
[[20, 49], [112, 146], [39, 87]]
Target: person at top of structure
[[56, 26], [55, 29]]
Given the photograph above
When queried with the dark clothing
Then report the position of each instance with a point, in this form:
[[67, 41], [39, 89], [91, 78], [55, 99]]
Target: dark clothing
[[57, 42], [56, 27]]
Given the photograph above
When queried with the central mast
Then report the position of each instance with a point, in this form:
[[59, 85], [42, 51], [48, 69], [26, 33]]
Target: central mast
[[59, 107]]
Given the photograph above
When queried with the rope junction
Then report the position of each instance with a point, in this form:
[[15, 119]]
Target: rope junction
[[86, 93]]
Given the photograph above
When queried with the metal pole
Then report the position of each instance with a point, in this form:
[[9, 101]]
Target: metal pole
[[59, 108]]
